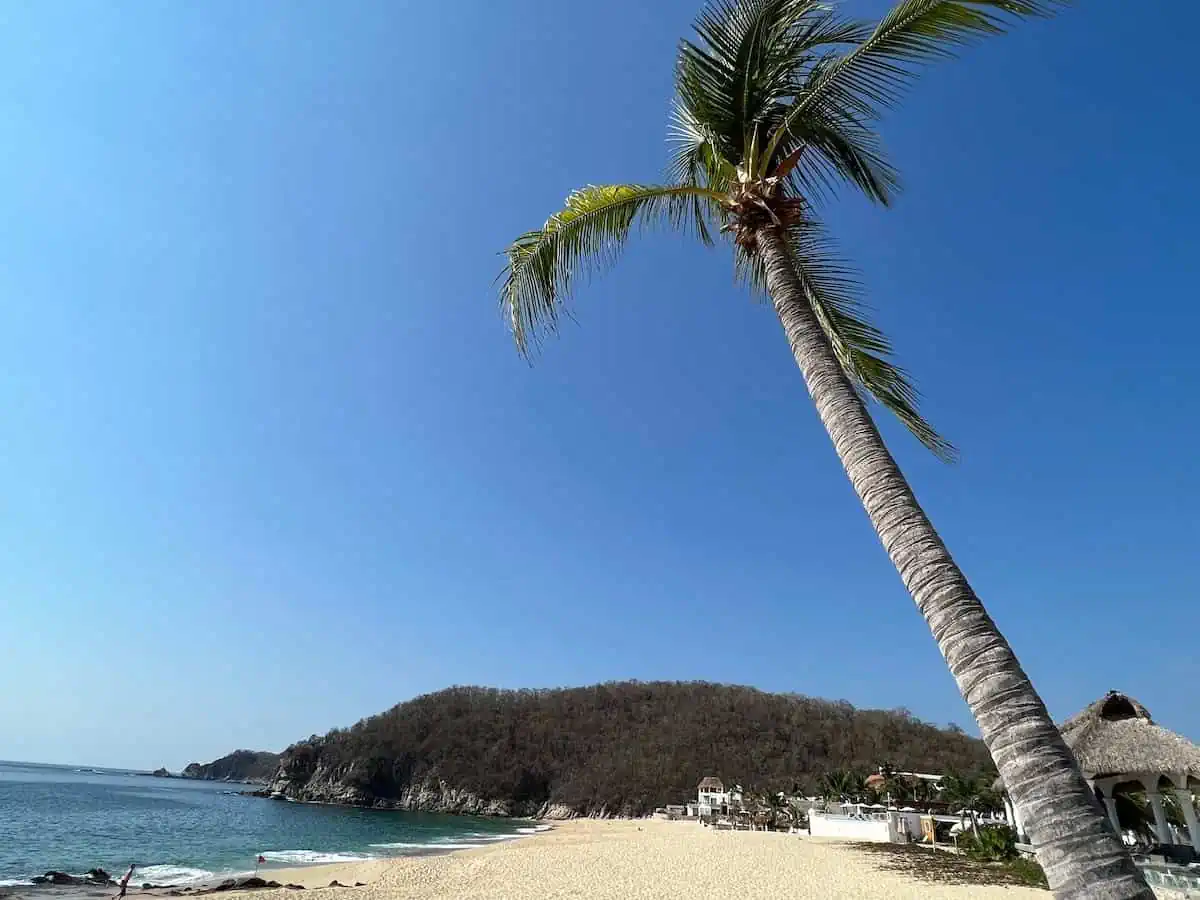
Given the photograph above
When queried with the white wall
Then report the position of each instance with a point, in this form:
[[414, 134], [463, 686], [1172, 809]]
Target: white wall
[[877, 830]]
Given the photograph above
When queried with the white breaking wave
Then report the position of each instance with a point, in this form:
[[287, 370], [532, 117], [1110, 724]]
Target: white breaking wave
[[14, 882], [312, 857], [535, 829], [169, 876]]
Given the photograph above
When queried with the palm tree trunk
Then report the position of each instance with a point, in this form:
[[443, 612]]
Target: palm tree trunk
[[1075, 845]]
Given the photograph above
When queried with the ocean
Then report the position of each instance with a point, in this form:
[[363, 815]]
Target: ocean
[[180, 832]]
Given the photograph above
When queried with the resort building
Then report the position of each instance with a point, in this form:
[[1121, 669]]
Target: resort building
[[713, 800]]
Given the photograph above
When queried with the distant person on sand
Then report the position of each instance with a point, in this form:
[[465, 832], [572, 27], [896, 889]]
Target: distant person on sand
[[124, 882]]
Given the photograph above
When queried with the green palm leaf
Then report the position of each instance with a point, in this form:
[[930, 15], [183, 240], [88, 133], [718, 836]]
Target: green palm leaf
[[831, 144], [864, 352], [742, 75], [871, 77], [781, 96], [586, 236]]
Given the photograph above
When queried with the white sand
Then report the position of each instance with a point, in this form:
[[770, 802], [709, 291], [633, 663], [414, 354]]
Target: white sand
[[640, 860]]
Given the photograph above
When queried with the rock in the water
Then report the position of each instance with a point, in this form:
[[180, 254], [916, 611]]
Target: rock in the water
[[56, 878], [161, 773], [99, 876]]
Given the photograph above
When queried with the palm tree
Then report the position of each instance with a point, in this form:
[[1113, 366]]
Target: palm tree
[[775, 806], [923, 791], [898, 788], [798, 812], [843, 786], [970, 795], [776, 103]]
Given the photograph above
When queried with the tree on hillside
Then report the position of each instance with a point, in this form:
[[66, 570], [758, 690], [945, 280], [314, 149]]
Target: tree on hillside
[[776, 103]]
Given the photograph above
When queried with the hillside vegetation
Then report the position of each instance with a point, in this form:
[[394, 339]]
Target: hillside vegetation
[[618, 748], [250, 766]]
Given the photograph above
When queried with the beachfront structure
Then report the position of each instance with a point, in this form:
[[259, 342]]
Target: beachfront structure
[[879, 781], [711, 797], [1120, 748], [713, 800]]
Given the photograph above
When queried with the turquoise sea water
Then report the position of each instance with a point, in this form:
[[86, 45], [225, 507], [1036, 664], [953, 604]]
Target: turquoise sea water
[[179, 832]]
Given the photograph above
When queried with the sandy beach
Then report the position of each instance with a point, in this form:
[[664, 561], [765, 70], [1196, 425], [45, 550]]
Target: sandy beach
[[639, 860]]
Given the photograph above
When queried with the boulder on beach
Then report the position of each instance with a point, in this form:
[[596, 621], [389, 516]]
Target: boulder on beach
[[294, 887], [57, 878], [227, 885], [251, 883]]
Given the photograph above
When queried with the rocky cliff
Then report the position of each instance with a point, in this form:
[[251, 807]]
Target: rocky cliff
[[298, 779], [612, 749], [247, 766]]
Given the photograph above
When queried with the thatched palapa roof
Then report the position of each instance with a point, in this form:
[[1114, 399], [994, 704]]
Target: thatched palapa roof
[[1116, 736], [712, 784]]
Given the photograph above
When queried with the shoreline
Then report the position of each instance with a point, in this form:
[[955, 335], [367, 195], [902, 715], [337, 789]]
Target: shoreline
[[638, 859], [349, 872], [646, 859]]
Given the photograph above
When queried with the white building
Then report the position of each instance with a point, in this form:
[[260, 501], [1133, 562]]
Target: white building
[[713, 800]]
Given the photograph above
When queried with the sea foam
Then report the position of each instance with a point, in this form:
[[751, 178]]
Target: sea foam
[[169, 876]]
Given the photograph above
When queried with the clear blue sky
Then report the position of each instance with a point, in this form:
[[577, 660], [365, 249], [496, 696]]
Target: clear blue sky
[[270, 462]]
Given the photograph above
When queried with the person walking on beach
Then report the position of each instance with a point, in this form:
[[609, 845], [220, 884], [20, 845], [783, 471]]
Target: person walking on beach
[[124, 882]]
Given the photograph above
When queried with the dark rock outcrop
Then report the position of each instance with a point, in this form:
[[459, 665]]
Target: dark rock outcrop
[[246, 766], [617, 749], [162, 773], [58, 878]]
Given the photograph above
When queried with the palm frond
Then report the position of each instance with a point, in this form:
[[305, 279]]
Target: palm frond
[[737, 79], [696, 162], [695, 158], [585, 236], [831, 144], [871, 78], [864, 352]]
